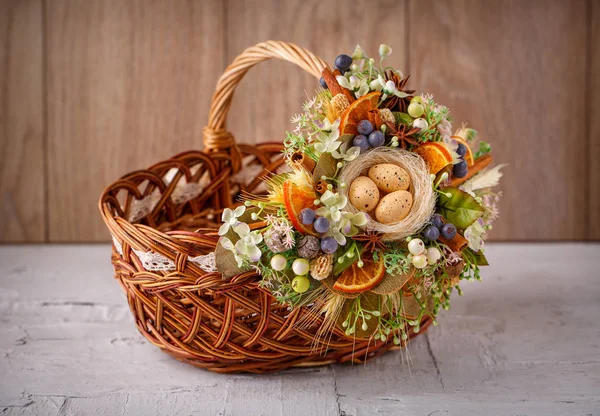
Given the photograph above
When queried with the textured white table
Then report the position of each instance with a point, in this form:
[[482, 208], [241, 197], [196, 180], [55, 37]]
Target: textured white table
[[525, 341]]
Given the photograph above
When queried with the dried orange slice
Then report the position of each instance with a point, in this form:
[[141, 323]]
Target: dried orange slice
[[360, 279], [436, 154], [469, 155], [295, 199], [357, 111]]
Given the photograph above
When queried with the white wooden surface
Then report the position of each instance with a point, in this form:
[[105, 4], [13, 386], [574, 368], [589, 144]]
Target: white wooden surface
[[525, 341]]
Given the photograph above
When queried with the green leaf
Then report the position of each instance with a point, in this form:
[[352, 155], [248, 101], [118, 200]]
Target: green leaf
[[247, 218], [225, 260], [346, 261], [460, 208], [471, 134], [484, 149], [478, 257], [368, 301], [326, 166], [346, 137], [402, 118]]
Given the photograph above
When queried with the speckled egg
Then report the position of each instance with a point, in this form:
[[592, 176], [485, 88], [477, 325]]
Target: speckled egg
[[363, 194], [389, 177], [394, 207]]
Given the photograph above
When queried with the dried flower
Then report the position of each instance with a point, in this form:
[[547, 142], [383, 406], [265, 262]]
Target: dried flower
[[372, 241], [275, 241], [321, 267], [445, 129], [387, 116], [340, 103]]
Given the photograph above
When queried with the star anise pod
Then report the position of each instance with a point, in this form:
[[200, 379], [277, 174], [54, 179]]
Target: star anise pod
[[403, 133], [372, 240], [395, 103]]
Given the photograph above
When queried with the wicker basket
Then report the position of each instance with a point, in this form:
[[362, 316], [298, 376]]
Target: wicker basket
[[164, 220]]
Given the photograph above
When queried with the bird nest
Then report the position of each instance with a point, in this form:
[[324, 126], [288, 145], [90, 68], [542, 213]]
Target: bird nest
[[420, 188]]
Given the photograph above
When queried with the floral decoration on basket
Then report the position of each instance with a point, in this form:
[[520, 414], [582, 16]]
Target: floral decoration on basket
[[381, 213]]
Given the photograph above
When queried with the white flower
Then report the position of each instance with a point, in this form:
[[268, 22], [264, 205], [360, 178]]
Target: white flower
[[246, 247], [358, 53], [387, 87], [474, 234], [384, 50], [327, 143], [351, 221], [359, 86], [230, 218], [327, 125], [346, 155], [334, 202]]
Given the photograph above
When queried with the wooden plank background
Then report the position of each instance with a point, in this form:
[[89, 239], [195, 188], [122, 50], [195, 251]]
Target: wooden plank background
[[94, 89]]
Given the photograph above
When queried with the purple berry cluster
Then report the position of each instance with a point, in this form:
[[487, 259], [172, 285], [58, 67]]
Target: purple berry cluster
[[438, 227], [461, 169], [367, 136], [321, 225]]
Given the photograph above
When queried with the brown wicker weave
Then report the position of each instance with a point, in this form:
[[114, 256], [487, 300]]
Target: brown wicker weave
[[196, 316]]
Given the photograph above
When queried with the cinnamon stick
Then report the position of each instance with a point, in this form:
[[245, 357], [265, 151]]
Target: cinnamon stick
[[480, 163], [300, 159], [333, 85], [321, 186], [457, 244]]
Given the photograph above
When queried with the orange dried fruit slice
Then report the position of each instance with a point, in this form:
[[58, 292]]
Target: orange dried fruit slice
[[469, 155], [295, 199], [360, 279], [357, 111], [436, 154]]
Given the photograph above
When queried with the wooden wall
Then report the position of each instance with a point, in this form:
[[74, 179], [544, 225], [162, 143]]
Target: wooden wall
[[91, 90]]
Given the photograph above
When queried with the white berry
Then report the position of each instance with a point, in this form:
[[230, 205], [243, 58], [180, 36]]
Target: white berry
[[433, 255], [300, 267], [420, 123], [419, 261], [416, 246], [278, 262]]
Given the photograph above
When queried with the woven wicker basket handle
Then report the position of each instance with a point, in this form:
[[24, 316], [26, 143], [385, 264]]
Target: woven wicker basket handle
[[216, 137]]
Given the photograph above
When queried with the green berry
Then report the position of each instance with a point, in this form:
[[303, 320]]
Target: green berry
[[415, 110], [300, 284]]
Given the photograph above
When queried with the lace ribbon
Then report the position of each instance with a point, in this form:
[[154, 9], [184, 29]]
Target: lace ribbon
[[153, 262]]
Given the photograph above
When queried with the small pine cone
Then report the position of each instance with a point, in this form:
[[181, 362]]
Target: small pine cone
[[309, 247], [387, 116], [275, 241], [340, 103], [321, 267]]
